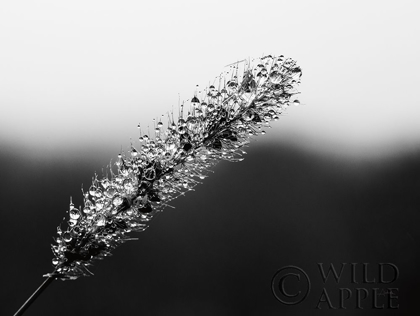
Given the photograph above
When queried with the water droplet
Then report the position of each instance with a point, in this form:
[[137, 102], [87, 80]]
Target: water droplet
[[117, 200], [150, 174], [181, 130], [248, 116], [296, 102], [55, 261], [231, 86], [67, 237], [72, 222], [74, 213], [134, 152], [195, 101], [92, 190], [105, 183], [182, 122], [100, 220], [110, 192], [99, 205], [114, 211], [275, 77]]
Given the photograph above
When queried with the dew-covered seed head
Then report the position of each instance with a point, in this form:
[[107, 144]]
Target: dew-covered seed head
[[171, 161]]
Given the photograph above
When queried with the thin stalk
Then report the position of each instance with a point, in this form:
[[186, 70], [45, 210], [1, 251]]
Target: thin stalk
[[35, 295]]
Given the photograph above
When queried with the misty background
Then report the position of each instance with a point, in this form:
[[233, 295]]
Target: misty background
[[335, 180]]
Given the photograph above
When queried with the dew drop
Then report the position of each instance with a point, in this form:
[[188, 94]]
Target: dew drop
[[248, 116], [55, 261], [149, 174], [72, 222], [275, 77], [181, 130], [110, 192], [105, 183], [195, 101], [100, 220], [231, 86], [74, 213], [99, 205], [134, 152], [67, 237], [182, 123], [296, 102], [92, 190], [117, 200]]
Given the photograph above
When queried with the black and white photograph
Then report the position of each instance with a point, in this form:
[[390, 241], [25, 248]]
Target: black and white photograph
[[209, 157]]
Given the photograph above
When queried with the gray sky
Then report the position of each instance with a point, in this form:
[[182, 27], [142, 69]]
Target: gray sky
[[85, 73]]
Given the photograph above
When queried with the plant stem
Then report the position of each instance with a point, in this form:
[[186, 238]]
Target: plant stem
[[34, 296]]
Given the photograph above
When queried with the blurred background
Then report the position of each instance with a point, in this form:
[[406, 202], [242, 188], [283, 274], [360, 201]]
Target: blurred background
[[335, 180]]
